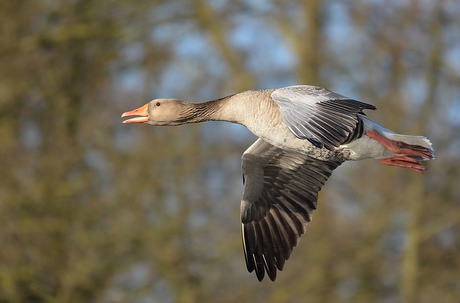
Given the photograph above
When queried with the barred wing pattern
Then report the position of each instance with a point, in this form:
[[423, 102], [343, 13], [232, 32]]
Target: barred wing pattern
[[324, 118], [280, 194]]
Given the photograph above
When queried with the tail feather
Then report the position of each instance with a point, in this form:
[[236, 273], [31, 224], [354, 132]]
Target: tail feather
[[414, 141]]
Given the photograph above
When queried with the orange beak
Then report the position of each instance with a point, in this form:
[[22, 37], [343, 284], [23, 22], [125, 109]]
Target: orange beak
[[143, 112]]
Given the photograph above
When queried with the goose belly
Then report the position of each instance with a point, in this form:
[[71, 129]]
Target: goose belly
[[360, 149], [281, 137]]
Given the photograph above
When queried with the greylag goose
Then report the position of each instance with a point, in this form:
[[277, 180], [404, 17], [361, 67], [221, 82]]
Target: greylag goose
[[305, 132]]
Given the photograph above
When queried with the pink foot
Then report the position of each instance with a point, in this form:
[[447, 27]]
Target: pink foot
[[404, 162], [399, 147]]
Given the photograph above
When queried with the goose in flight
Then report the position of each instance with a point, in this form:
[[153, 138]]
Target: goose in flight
[[305, 132]]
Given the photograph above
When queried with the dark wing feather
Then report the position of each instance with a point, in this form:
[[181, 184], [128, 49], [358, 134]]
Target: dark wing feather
[[323, 117], [280, 194]]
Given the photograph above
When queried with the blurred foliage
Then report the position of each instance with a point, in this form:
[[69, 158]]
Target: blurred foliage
[[96, 211]]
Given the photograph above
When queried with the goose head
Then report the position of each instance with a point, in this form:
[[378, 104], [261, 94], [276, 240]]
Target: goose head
[[159, 112]]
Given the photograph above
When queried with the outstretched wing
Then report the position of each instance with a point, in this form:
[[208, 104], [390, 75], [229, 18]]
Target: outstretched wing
[[323, 117], [280, 194]]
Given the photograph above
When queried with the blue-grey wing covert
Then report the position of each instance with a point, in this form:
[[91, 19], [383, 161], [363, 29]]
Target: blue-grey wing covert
[[325, 118]]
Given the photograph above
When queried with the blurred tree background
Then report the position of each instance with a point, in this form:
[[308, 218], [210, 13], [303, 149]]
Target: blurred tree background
[[96, 211]]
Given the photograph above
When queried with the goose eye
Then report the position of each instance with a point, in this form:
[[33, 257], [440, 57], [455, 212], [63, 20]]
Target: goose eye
[[157, 104]]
